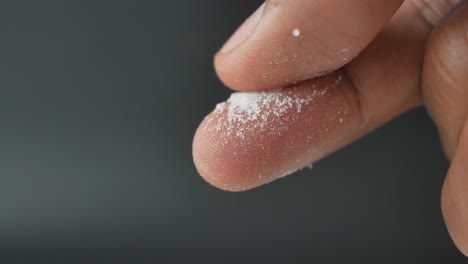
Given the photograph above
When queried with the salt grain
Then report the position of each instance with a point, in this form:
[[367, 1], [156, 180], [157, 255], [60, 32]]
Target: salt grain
[[296, 32]]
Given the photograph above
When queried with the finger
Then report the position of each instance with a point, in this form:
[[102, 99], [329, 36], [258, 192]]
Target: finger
[[455, 196], [289, 41], [446, 77], [256, 138], [446, 96]]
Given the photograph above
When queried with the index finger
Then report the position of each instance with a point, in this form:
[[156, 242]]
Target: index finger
[[285, 42]]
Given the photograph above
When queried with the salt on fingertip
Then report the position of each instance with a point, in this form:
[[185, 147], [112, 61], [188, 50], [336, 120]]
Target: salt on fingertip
[[296, 32]]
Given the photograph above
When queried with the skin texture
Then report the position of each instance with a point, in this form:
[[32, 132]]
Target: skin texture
[[380, 64]]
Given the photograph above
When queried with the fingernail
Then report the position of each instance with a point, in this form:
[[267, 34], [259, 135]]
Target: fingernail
[[244, 31]]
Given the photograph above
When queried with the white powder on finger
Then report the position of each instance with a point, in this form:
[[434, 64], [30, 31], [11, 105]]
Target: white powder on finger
[[296, 32], [251, 112]]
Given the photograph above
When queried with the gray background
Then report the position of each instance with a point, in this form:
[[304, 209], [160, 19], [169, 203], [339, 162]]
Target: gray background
[[99, 101]]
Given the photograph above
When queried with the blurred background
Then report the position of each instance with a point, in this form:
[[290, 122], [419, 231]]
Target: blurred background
[[99, 101]]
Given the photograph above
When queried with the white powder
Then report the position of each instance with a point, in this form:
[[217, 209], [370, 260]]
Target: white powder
[[296, 32], [253, 112], [287, 173]]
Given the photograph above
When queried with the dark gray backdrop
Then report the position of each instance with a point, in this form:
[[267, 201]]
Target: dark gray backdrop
[[99, 101]]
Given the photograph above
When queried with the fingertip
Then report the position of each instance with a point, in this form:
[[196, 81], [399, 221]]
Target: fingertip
[[454, 215], [240, 155], [454, 199], [218, 163], [256, 138], [268, 60], [299, 40], [284, 49]]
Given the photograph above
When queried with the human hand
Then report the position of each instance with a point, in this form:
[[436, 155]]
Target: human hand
[[382, 57]]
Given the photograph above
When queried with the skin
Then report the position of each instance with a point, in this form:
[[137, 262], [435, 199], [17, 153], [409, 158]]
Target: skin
[[383, 57]]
